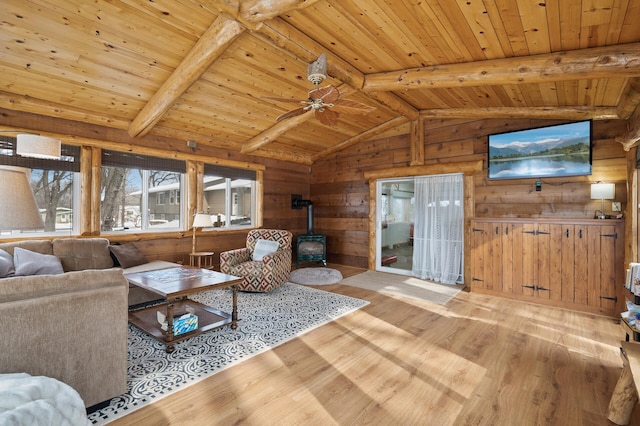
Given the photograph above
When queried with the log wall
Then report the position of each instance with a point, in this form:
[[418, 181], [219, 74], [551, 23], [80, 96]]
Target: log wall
[[340, 192]]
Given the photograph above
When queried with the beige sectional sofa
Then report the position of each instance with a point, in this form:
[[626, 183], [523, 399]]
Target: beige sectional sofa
[[70, 326]]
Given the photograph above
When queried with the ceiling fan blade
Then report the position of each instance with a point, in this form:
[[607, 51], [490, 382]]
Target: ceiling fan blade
[[290, 100], [328, 94], [347, 106], [292, 113], [327, 117]]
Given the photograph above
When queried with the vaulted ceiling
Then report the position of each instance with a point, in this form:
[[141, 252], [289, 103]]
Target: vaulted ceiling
[[204, 70]]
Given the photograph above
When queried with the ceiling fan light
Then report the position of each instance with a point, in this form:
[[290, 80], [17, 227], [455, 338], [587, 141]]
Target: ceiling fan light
[[317, 71]]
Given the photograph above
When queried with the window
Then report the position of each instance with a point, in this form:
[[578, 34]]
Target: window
[[134, 193], [55, 184], [229, 196]]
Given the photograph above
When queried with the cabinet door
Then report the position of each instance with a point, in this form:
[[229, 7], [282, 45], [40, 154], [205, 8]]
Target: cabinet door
[[581, 265], [479, 252], [567, 259], [529, 259], [543, 262], [506, 263], [488, 254], [606, 278]]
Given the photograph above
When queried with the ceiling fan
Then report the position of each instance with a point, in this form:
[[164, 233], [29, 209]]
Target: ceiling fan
[[324, 101]]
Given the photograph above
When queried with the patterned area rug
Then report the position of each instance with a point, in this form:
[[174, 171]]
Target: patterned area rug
[[315, 276], [266, 321]]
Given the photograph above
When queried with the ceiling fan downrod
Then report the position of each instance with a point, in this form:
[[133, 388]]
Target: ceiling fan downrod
[[317, 71]]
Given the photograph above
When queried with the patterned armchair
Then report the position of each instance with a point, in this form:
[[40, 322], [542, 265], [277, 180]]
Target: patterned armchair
[[265, 275]]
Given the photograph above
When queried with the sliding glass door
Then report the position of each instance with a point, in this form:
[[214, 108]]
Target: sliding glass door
[[395, 219], [420, 225]]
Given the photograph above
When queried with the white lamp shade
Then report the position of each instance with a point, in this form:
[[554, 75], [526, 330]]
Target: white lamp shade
[[29, 145], [201, 220], [18, 209], [603, 191]]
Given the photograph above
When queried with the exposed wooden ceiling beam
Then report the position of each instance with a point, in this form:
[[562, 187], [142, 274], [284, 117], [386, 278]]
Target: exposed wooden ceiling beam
[[561, 113], [208, 48], [280, 128], [274, 131], [632, 138], [362, 136], [222, 32], [599, 62], [36, 106], [294, 157], [630, 99]]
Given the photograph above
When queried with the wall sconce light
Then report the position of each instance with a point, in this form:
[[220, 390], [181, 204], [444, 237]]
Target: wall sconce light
[[603, 191], [200, 220], [18, 209]]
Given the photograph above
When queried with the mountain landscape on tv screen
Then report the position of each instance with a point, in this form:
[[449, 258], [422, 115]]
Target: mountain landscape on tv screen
[[518, 149]]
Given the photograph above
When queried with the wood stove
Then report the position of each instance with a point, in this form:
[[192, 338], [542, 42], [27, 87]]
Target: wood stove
[[311, 247]]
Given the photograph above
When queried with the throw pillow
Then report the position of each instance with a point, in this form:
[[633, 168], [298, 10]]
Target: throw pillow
[[128, 255], [6, 264], [263, 248], [31, 263]]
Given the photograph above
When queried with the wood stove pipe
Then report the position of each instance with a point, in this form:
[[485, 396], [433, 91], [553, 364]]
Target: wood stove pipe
[[297, 203]]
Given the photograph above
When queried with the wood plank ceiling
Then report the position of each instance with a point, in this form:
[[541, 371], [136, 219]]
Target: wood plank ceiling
[[202, 70]]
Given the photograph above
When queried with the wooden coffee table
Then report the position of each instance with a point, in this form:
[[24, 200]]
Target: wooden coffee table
[[175, 284]]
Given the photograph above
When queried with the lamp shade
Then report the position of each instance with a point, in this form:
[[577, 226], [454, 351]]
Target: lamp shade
[[603, 191], [29, 145], [18, 209], [201, 220]]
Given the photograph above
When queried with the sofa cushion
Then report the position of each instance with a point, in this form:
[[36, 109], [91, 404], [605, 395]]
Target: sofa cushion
[[78, 254], [31, 263], [128, 255], [6, 264], [263, 248], [39, 246]]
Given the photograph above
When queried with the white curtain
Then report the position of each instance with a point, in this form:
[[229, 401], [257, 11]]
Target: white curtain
[[438, 230]]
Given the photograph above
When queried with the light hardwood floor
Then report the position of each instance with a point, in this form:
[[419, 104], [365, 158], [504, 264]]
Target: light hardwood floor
[[478, 360]]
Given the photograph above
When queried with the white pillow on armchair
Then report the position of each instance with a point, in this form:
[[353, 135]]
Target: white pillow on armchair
[[263, 248]]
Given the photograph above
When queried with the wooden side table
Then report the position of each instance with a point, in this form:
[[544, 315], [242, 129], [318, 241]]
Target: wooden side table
[[201, 259]]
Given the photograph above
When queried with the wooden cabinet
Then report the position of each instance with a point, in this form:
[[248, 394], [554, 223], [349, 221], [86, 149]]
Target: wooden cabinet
[[576, 264]]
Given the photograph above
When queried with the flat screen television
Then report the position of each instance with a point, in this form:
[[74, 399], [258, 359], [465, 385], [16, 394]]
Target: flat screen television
[[551, 151]]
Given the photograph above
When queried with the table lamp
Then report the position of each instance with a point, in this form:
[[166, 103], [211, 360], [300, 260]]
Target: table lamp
[[603, 191], [18, 209], [200, 220]]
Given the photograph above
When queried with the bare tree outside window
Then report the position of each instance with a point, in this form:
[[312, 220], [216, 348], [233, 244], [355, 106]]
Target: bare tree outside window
[[53, 191]]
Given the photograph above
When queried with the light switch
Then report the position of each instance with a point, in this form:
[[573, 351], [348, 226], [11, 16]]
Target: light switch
[[615, 206]]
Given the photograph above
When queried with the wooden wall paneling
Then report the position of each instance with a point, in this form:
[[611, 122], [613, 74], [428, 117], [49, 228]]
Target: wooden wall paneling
[[631, 229], [373, 228], [581, 265]]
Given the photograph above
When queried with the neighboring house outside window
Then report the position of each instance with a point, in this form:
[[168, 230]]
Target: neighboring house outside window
[[133, 184], [55, 184], [229, 193]]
